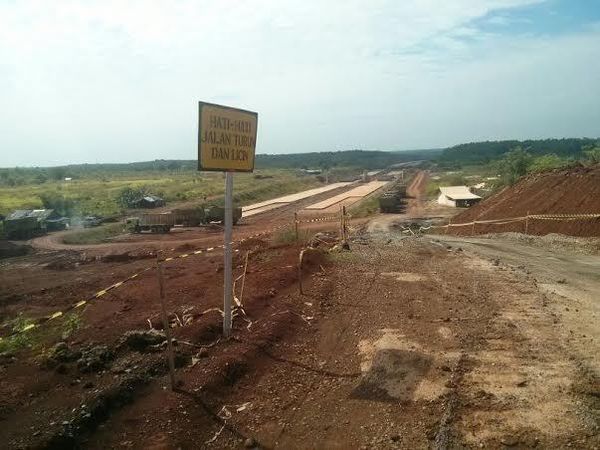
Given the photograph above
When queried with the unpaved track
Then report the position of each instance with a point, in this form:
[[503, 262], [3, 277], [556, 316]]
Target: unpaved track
[[409, 345], [199, 237], [570, 280], [416, 205]]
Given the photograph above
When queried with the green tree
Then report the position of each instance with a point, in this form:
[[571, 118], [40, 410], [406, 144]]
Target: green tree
[[65, 206], [40, 178], [592, 154], [547, 162], [58, 173], [128, 197], [514, 165]]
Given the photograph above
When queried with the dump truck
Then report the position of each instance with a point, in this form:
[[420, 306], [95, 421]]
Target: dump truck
[[194, 217], [23, 228], [154, 223], [28, 223], [393, 201]]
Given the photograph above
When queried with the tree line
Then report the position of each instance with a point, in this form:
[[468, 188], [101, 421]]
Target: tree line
[[485, 152]]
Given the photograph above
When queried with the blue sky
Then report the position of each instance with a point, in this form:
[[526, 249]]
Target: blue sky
[[113, 81]]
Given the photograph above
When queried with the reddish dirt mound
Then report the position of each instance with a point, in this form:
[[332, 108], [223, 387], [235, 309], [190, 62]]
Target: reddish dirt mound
[[566, 191]]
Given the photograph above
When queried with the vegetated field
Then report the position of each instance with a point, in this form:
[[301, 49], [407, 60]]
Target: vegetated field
[[94, 235], [98, 193]]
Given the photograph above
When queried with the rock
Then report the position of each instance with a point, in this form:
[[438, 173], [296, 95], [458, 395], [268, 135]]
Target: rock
[[395, 438], [202, 353], [272, 292], [496, 262], [60, 354], [509, 441], [250, 443], [88, 385], [181, 359], [522, 383], [8, 355], [562, 281], [140, 340], [94, 358]]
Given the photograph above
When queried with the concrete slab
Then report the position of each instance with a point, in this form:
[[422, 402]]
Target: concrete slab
[[278, 202], [357, 193]]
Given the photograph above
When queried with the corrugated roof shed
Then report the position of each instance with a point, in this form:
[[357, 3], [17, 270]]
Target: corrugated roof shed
[[39, 214], [458, 193]]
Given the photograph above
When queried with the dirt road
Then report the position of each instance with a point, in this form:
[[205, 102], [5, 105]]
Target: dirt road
[[406, 344], [197, 236], [571, 280]]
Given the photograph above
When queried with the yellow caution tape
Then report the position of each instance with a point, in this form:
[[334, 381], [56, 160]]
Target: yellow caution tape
[[121, 283], [566, 217]]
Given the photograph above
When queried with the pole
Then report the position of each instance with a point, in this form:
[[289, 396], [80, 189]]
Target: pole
[[228, 282], [244, 279], [527, 223], [296, 225], [300, 256], [165, 321], [344, 229]]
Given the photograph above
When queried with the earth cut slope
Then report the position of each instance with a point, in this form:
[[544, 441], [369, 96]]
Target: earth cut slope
[[562, 191]]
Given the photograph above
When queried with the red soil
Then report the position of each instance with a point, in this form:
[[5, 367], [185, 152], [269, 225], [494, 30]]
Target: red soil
[[564, 191]]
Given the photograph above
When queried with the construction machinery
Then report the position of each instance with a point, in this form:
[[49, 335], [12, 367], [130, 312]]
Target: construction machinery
[[393, 200]]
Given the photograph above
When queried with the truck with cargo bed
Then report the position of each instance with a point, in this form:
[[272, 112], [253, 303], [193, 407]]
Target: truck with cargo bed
[[193, 217]]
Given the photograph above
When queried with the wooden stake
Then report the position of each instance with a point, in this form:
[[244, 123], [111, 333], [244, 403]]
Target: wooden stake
[[296, 225], [165, 321], [341, 223], [244, 278], [473, 228], [300, 272], [344, 228]]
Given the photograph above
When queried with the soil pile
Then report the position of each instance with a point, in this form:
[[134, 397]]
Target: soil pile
[[562, 191]]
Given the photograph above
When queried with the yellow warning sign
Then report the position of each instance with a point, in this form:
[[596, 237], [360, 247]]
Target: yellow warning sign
[[226, 138]]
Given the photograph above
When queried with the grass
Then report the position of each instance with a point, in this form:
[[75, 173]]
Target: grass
[[285, 236], [95, 235], [366, 207], [94, 194], [37, 338], [19, 341]]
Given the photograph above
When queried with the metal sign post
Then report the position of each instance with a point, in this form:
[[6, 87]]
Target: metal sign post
[[226, 143], [228, 281]]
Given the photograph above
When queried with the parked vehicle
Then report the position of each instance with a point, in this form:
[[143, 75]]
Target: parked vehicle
[[393, 201], [154, 223], [163, 222], [91, 221], [28, 223]]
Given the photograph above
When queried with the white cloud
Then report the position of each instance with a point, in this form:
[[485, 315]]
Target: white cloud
[[113, 80]]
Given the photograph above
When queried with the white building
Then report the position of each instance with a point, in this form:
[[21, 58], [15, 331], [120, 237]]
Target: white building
[[457, 196]]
